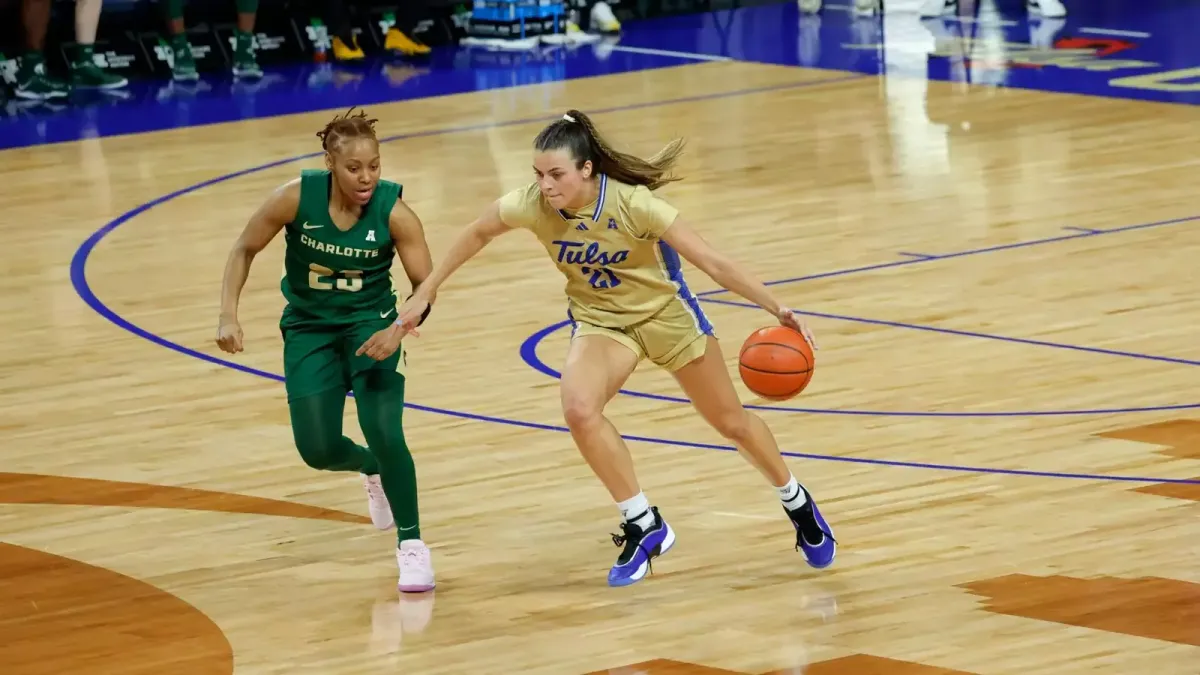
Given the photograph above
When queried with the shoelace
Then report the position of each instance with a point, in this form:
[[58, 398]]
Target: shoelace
[[375, 489], [824, 533], [800, 535], [412, 557], [622, 539]]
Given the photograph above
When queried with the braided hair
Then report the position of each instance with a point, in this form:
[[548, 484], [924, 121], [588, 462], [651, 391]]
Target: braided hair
[[345, 127]]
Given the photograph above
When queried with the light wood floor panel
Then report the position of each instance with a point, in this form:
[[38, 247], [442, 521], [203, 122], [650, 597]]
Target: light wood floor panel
[[794, 181]]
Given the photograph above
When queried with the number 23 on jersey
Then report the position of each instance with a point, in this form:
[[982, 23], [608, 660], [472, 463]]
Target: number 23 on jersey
[[322, 278]]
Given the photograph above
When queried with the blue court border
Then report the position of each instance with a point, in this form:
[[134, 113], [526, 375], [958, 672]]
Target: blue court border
[[528, 349], [79, 281]]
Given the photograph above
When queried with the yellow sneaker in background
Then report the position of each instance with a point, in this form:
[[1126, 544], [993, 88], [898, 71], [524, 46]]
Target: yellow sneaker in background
[[397, 41], [347, 52]]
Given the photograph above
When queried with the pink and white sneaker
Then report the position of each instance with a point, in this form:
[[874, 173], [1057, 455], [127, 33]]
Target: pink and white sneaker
[[377, 503], [416, 566]]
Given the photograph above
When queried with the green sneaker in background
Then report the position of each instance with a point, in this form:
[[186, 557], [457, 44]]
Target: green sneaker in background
[[183, 64], [34, 83], [86, 74], [245, 63]]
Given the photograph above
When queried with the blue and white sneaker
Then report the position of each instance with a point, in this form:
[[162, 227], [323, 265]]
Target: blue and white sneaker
[[819, 548], [640, 549]]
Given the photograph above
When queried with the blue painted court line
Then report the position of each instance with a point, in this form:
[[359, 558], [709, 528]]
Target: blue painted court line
[[969, 252], [920, 256], [1083, 229], [985, 336], [79, 281], [528, 349]]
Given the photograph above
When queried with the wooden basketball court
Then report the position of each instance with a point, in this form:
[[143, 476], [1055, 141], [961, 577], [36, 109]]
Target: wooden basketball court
[[1004, 406]]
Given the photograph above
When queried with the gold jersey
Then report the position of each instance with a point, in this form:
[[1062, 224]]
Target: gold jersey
[[619, 273]]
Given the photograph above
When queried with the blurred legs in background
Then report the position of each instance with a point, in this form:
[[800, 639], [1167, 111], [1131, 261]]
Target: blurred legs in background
[[592, 16], [33, 82], [861, 7], [183, 63], [1051, 9], [85, 72], [400, 39]]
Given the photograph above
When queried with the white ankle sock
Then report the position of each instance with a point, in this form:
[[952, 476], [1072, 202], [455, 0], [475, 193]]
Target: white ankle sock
[[636, 510], [791, 495]]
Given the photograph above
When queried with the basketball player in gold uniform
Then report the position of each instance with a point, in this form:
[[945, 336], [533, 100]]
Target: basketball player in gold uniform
[[619, 246]]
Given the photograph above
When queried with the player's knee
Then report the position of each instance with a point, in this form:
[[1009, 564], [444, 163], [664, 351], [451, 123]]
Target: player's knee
[[581, 411], [318, 453], [389, 445], [733, 424]]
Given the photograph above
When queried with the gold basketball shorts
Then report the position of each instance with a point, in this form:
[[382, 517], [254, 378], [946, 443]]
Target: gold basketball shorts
[[674, 337]]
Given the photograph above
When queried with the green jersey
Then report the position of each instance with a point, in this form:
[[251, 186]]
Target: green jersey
[[336, 277]]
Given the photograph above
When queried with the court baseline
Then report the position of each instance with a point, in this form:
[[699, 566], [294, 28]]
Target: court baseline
[[79, 281]]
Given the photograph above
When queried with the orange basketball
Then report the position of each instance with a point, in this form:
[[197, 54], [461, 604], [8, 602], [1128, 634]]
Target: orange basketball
[[776, 363]]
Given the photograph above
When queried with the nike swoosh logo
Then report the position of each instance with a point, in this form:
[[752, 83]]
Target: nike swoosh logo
[[311, 227], [406, 529], [384, 315]]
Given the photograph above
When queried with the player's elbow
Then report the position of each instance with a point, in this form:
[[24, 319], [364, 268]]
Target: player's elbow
[[487, 229], [480, 236], [246, 249], [489, 225]]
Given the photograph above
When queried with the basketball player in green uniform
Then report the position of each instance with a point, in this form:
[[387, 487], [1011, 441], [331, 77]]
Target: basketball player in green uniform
[[620, 247], [342, 226]]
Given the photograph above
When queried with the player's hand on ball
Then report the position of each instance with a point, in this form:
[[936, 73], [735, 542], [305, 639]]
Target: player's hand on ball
[[788, 319], [229, 336], [383, 343]]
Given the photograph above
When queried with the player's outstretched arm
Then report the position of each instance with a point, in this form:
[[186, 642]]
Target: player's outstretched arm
[[467, 245], [730, 274], [275, 213]]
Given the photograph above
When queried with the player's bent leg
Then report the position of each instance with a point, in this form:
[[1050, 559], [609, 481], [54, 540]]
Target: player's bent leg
[[316, 388], [707, 383], [597, 366], [379, 393], [317, 431]]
